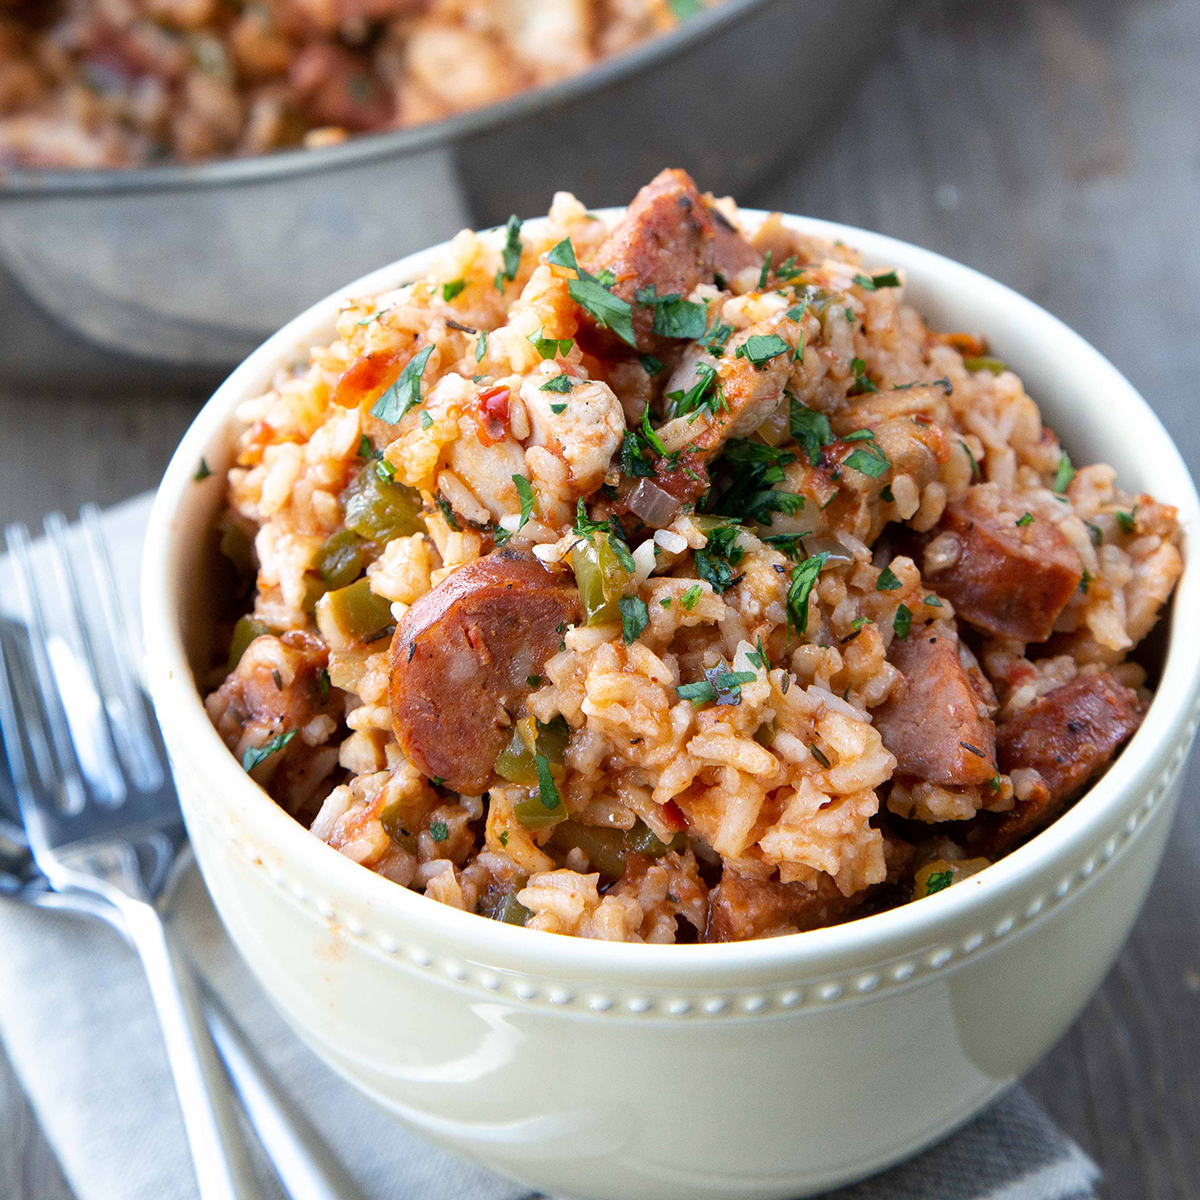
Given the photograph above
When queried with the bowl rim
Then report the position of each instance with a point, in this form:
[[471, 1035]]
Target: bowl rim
[[26, 182], [181, 710]]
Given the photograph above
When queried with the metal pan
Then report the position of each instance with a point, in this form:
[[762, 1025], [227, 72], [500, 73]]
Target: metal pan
[[188, 268]]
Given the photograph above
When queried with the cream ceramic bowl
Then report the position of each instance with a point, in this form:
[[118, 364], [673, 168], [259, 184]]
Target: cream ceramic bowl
[[775, 1068]]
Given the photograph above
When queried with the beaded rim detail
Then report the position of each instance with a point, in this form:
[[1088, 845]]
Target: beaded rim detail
[[706, 1004]]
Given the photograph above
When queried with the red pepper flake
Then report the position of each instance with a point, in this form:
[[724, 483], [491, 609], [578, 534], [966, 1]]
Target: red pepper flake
[[492, 415]]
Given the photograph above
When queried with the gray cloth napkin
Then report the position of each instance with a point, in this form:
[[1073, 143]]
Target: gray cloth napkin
[[76, 1020]]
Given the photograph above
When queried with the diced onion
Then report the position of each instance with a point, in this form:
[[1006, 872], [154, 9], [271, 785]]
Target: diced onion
[[671, 542], [652, 504]]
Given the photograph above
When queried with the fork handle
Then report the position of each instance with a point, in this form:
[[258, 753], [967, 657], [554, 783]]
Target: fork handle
[[218, 1151]]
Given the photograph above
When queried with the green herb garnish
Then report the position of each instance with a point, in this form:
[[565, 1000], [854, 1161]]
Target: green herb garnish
[[701, 692], [888, 581], [525, 491], [405, 393], [761, 348], [1064, 474], [634, 617], [257, 754], [804, 577], [453, 288]]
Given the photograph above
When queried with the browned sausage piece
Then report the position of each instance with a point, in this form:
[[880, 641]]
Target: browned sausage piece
[[1067, 737], [938, 727], [462, 659], [740, 908], [1008, 580], [664, 241], [731, 251]]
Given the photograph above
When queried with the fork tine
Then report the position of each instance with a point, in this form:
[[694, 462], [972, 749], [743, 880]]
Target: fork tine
[[78, 680], [73, 796], [126, 707]]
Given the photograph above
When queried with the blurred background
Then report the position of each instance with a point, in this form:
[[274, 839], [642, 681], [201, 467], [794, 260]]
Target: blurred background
[[1052, 144]]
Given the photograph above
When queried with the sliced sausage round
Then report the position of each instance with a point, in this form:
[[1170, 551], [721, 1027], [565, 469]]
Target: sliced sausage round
[[463, 659]]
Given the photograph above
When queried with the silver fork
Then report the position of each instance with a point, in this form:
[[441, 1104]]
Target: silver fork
[[99, 809]]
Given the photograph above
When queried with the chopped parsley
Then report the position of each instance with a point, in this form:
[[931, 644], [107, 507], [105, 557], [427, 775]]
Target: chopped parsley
[[754, 468], [448, 513], [650, 364], [938, 881], [1126, 521], [634, 617], [810, 429], [976, 473], [861, 383], [365, 449], [1064, 474], [257, 754], [557, 409], [705, 393], [674, 317], [550, 347], [560, 383], [788, 270], [511, 253], [203, 471], [888, 581], [765, 273], [481, 346], [869, 458], [453, 288], [525, 491], [728, 684], [1025, 520], [820, 756], [791, 544], [665, 602], [372, 318], [426, 422], [439, 831], [932, 601], [903, 621], [533, 680], [714, 571], [323, 682], [689, 598], [547, 792], [758, 657], [714, 340], [632, 459], [1085, 582], [804, 577], [405, 393], [651, 438], [761, 348], [593, 295], [871, 283], [701, 692]]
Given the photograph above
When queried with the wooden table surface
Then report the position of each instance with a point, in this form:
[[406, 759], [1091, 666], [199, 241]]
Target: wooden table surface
[[1055, 146]]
